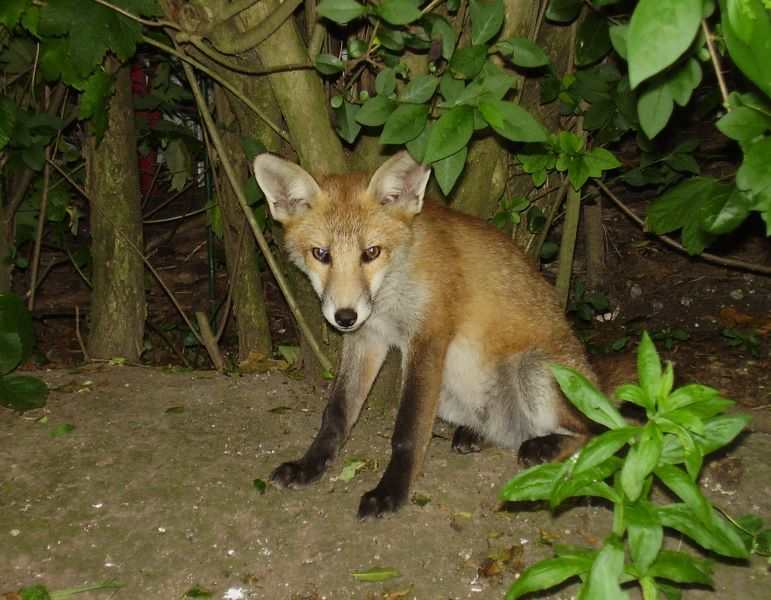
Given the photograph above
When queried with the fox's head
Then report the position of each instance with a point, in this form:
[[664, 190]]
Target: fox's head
[[344, 231]]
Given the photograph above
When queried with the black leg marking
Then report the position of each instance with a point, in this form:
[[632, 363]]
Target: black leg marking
[[466, 440]]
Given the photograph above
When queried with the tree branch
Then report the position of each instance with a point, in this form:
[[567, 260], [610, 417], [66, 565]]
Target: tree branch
[[261, 241], [266, 28]]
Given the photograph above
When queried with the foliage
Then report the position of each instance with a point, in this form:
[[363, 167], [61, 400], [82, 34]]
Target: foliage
[[621, 465], [17, 338], [588, 304], [465, 91]]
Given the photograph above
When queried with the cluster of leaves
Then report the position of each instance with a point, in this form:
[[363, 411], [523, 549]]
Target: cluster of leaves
[[435, 115], [621, 465], [663, 44], [73, 44], [17, 338]]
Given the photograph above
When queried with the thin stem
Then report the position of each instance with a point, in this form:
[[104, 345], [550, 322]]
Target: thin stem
[[706, 256], [219, 58], [41, 222], [133, 248], [716, 64], [186, 58], [262, 31], [138, 19], [261, 241]]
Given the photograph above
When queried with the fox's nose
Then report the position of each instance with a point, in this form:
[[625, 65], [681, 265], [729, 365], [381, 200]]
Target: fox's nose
[[345, 317]]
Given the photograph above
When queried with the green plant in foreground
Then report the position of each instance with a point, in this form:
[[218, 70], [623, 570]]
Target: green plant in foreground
[[621, 465], [17, 337]]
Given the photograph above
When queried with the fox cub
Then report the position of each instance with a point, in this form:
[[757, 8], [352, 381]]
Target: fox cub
[[476, 324]]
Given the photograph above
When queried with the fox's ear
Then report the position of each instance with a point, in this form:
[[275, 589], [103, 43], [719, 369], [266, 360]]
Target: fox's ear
[[400, 182], [289, 189]]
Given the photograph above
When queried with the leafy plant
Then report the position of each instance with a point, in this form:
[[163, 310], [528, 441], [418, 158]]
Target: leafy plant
[[747, 341], [435, 115], [670, 336], [17, 338], [622, 465], [588, 304]]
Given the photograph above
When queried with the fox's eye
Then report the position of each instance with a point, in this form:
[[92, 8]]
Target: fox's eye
[[370, 253], [321, 254]]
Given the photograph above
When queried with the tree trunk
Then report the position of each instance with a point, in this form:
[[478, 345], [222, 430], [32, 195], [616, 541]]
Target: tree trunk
[[484, 177], [118, 308], [240, 251]]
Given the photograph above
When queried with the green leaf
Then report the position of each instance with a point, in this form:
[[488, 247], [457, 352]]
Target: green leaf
[[636, 395], [377, 574], [448, 169], [440, 28], [94, 101], [260, 486], [11, 11], [488, 88], [747, 35], [684, 80], [619, 35], [62, 430], [590, 482], [534, 483], [522, 52], [404, 124], [605, 576], [420, 90], [681, 568], [686, 206], [486, 20], [755, 173], [21, 392], [603, 447], [385, 83], [683, 486], [10, 351], [546, 574], [592, 40], [417, 147], [648, 366], [660, 31], [347, 127], [451, 132], [329, 64], [466, 63], [587, 398], [179, 162], [376, 111], [641, 460], [252, 148], [15, 318], [398, 12], [716, 535], [654, 108], [341, 11], [563, 11], [512, 121], [743, 124], [645, 534], [721, 430], [34, 592]]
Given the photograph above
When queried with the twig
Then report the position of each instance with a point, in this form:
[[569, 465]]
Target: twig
[[261, 241], [210, 342], [222, 81], [706, 256], [41, 222], [86, 357], [133, 248], [716, 64], [138, 19], [227, 11]]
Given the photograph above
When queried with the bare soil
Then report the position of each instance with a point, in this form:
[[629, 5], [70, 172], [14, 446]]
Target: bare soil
[[163, 501]]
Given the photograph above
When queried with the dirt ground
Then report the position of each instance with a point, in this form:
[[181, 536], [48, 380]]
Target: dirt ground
[[163, 501]]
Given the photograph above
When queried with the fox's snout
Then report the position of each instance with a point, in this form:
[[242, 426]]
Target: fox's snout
[[346, 317]]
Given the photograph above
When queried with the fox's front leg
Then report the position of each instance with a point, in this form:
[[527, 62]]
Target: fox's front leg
[[412, 432], [362, 358]]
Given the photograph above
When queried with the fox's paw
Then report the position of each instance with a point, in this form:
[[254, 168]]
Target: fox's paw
[[466, 441], [296, 474], [379, 502]]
